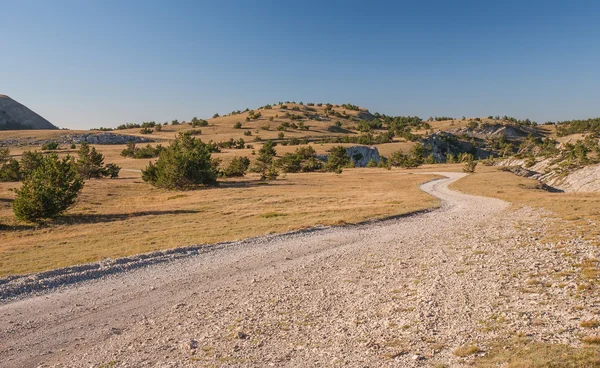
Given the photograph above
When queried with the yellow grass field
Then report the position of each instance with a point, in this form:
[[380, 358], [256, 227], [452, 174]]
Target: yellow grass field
[[125, 216], [579, 213]]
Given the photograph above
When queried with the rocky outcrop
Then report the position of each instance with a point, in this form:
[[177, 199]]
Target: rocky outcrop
[[485, 131], [443, 143], [360, 155], [15, 116], [77, 138], [107, 138]]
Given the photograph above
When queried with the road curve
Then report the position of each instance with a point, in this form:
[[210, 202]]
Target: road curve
[[338, 295]]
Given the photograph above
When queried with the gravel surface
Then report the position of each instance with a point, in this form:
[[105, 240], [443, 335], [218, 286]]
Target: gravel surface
[[402, 292]]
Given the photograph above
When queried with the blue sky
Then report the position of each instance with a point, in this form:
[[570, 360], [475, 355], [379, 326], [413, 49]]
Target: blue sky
[[84, 64]]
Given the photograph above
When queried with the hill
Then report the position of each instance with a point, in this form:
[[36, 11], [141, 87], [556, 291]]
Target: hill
[[16, 116]]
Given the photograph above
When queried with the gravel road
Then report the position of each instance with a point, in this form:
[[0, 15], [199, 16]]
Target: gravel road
[[402, 292]]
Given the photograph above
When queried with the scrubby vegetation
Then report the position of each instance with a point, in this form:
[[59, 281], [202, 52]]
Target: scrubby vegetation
[[236, 168], [184, 164], [414, 158], [338, 159], [145, 152], [564, 128], [90, 164]]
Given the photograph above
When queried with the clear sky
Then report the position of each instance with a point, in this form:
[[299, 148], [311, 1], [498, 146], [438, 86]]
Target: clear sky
[[84, 64]]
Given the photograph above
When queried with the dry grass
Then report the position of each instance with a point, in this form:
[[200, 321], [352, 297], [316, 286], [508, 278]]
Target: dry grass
[[590, 323], [579, 213], [121, 217], [521, 353], [591, 340], [464, 351]]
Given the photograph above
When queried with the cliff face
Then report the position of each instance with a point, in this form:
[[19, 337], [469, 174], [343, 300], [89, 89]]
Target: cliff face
[[15, 116]]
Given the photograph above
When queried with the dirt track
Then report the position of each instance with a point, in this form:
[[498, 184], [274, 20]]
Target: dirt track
[[402, 292]]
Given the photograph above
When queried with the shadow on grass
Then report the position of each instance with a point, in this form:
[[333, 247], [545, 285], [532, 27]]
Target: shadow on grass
[[246, 184], [72, 219], [4, 227], [6, 200]]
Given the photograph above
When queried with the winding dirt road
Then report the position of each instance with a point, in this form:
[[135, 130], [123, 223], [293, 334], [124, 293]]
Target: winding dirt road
[[401, 292]]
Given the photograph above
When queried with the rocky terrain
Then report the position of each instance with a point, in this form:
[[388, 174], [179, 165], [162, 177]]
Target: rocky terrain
[[15, 116], [403, 292], [77, 138], [584, 179]]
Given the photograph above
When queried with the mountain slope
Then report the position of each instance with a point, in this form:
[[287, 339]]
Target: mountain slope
[[15, 116]]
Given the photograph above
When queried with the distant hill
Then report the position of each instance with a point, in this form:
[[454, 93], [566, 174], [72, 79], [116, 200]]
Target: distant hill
[[15, 116]]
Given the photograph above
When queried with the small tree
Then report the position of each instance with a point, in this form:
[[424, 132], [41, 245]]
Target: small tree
[[338, 159], [50, 189], [50, 146], [470, 163], [4, 155], [10, 171], [372, 163], [90, 162], [111, 170], [237, 167], [184, 164], [30, 160]]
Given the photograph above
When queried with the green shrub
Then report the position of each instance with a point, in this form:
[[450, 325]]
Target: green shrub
[[158, 128], [311, 165], [146, 131], [198, 122], [111, 170], [372, 163], [216, 115], [289, 163], [50, 189], [270, 174], [194, 132], [306, 152], [237, 125], [237, 167], [50, 146], [470, 163], [338, 159], [10, 171], [4, 155], [90, 162], [73, 146], [145, 152], [247, 133], [30, 160], [184, 164]]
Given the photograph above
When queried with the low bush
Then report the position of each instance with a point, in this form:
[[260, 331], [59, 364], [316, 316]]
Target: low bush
[[50, 146], [184, 164], [237, 167]]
